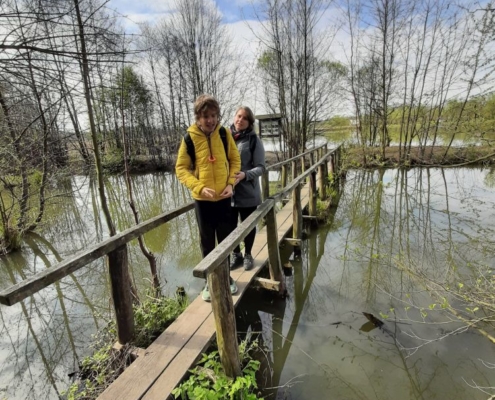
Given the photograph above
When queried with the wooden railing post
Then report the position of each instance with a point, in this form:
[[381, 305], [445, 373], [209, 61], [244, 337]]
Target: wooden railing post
[[325, 166], [223, 311], [274, 265], [312, 194], [284, 175], [121, 293], [265, 184], [331, 167], [322, 180], [303, 164], [294, 169], [297, 213]]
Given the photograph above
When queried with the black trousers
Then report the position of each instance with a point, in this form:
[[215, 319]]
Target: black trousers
[[244, 212], [214, 222]]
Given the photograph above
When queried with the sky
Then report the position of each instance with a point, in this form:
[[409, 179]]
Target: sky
[[233, 11]]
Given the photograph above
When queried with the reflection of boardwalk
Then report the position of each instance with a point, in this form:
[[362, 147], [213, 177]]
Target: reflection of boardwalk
[[164, 363]]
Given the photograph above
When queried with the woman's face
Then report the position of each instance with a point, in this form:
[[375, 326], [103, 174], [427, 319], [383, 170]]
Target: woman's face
[[208, 121], [241, 120]]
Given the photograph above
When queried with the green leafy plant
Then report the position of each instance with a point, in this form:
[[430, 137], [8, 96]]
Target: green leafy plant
[[209, 382]]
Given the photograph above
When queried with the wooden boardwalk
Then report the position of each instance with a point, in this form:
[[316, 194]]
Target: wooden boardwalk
[[162, 366]]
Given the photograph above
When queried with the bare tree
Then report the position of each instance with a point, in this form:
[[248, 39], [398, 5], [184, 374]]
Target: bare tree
[[299, 79]]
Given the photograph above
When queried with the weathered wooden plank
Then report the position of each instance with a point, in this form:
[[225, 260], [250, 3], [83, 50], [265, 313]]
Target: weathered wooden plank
[[268, 284], [35, 283], [293, 242], [143, 372], [181, 364]]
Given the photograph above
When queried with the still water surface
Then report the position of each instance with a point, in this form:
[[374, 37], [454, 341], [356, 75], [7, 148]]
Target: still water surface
[[392, 234]]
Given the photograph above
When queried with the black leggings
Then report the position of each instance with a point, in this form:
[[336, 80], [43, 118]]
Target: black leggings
[[244, 212], [214, 222]]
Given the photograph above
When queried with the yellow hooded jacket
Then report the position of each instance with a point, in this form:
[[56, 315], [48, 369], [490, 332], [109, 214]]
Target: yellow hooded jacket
[[214, 175]]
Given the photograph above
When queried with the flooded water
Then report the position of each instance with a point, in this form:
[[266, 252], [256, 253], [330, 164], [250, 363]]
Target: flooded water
[[391, 237]]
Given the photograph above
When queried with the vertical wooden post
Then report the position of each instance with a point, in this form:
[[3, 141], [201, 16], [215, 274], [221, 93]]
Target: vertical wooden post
[[121, 293], [297, 213], [223, 311], [303, 165], [284, 175], [322, 179], [265, 185], [331, 167], [325, 151], [275, 265], [312, 194], [312, 157], [294, 169]]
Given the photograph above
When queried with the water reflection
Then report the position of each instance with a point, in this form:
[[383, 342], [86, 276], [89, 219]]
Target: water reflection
[[393, 233], [43, 338]]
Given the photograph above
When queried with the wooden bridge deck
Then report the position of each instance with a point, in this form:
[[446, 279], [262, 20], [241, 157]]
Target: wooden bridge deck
[[162, 366]]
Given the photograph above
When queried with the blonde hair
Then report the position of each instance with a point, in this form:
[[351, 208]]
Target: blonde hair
[[250, 114], [203, 103]]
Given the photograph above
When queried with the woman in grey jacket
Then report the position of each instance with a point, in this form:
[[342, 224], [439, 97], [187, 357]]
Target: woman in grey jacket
[[247, 190]]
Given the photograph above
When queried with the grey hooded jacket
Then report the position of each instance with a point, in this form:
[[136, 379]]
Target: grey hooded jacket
[[247, 193]]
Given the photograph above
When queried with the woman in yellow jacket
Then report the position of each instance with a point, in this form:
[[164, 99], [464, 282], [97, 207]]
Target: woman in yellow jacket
[[212, 180]]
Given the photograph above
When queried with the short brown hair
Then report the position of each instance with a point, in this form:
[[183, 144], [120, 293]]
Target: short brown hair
[[203, 103], [250, 114]]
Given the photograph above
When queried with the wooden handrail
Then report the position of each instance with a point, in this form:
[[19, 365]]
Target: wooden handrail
[[213, 260], [291, 185], [216, 258], [41, 280], [278, 165]]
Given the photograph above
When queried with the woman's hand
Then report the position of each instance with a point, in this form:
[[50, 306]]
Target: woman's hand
[[239, 176], [208, 193], [227, 192]]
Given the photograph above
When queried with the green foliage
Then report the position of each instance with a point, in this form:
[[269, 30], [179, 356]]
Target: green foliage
[[209, 382], [338, 122], [153, 316], [100, 369]]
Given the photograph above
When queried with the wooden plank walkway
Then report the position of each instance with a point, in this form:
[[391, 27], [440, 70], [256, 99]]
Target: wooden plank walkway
[[162, 366]]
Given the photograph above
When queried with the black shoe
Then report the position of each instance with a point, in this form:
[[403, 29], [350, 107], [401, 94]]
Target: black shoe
[[248, 262], [236, 260]]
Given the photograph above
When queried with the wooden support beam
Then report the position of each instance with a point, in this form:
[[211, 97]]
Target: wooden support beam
[[274, 265], [284, 175], [312, 194], [268, 284], [265, 185], [297, 213], [224, 313], [310, 217], [322, 182], [293, 242], [118, 269]]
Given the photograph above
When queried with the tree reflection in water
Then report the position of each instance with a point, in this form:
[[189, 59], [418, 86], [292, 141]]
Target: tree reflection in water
[[395, 233]]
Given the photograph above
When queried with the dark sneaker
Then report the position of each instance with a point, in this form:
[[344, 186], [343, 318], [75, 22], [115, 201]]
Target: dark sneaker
[[233, 286], [236, 260], [205, 295], [248, 262]]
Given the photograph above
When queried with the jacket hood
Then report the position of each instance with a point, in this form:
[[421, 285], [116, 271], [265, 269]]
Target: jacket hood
[[194, 129]]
